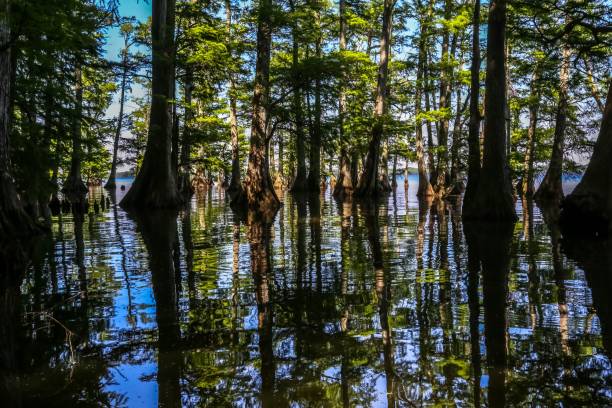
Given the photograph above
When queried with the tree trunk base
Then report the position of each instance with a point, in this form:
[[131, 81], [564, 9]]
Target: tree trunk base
[[14, 221], [490, 204], [300, 185], [585, 214]]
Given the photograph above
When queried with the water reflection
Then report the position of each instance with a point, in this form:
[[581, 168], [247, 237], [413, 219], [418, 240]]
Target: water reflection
[[393, 303]]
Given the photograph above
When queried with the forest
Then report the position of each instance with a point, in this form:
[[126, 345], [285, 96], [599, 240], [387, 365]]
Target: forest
[[273, 96], [244, 114]]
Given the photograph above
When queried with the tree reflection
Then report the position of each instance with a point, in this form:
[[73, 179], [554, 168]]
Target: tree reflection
[[158, 229], [370, 211], [490, 244], [259, 242], [595, 258]]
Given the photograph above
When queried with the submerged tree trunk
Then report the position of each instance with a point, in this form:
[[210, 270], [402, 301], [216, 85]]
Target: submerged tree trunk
[[534, 105], [494, 199], [235, 187], [345, 182], [589, 207], [473, 175], [551, 188], [14, 221], [260, 196], [110, 183], [155, 184], [368, 183], [74, 188]]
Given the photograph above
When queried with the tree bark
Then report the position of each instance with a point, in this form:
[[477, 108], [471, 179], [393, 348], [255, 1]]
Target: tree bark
[[184, 180], [455, 185], [589, 207], [300, 181], [314, 175], [124, 75], [494, 201], [14, 222], [592, 86], [345, 182], [155, 185], [74, 188], [260, 197], [368, 183], [534, 105], [425, 188], [474, 123], [551, 190], [235, 187], [445, 105]]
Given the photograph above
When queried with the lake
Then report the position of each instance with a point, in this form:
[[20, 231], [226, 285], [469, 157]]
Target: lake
[[396, 303]]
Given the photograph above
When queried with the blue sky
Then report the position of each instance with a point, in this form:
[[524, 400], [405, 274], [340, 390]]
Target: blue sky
[[141, 9]]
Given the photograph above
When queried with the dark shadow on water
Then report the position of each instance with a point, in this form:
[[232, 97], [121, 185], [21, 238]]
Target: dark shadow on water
[[489, 249], [595, 258], [261, 270], [159, 233]]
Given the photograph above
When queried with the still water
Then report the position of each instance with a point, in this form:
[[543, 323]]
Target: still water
[[389, 304]]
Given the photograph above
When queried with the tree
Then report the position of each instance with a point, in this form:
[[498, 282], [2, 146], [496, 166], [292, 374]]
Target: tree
[[550, 189], [369, 183], [425, 188], [494, 198], [155, 185], [260, 197], [344, 183], [235, 187], [473, 174], [13, 219], [127, 31], [589, 207]]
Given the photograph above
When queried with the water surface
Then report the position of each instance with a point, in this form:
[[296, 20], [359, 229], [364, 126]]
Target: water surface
[[389, 304]]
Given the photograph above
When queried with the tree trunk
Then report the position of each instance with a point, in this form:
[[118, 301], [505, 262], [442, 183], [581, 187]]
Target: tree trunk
[[431, 162], [445, 104], [425, 188], [393, 172], [259, 196], [155, 184], [314, 175], [74, 188], [592, 86], [345, 182], [235, 187], [473, 175], [494, 201], [300, 182], [534, 105], [368, 183], [455, 185], [14, 221], [551, 189], [589, 207], [113, 173], [281, 156], [174, 156], [184, 180]]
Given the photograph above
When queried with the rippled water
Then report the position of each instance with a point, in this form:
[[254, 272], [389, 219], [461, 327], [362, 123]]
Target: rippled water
[[395, 304]]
